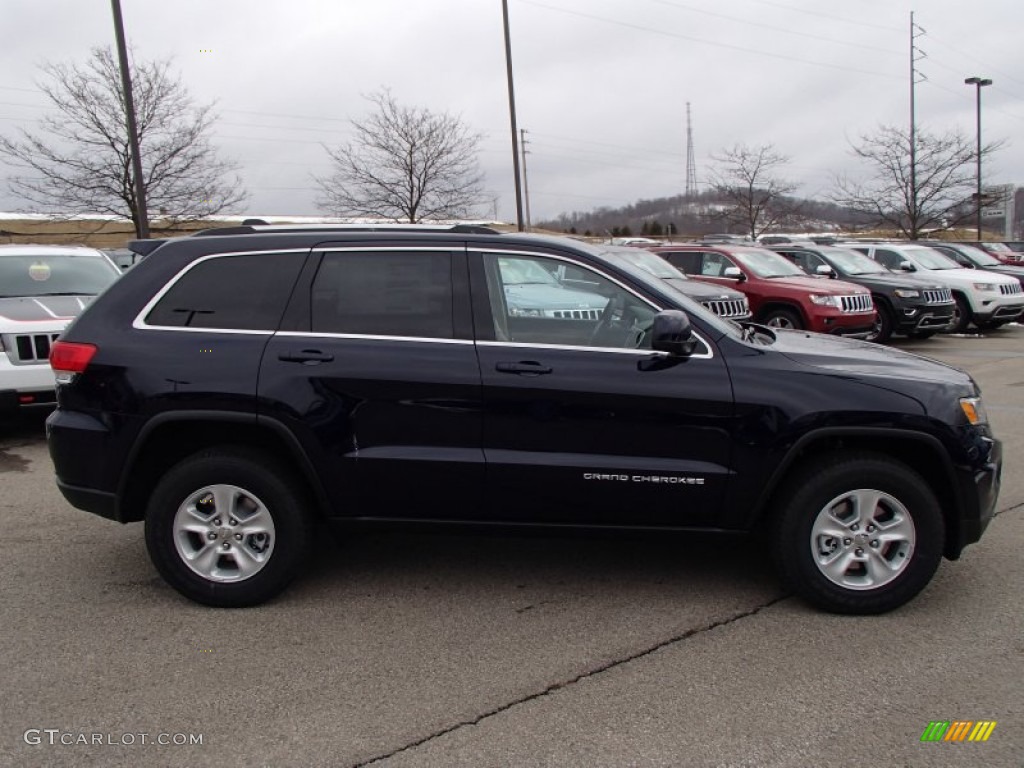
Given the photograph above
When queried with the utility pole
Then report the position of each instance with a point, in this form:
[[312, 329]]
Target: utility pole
[[915, 55], [142, 225], [512, 115], [526, 183]]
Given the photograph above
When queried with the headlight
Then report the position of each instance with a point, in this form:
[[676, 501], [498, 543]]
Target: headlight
[[825, 300], [907, 293], [974, 410], [985, 287], [521, 312]]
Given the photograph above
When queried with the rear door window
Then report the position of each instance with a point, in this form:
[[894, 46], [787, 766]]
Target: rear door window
[[392, 293]]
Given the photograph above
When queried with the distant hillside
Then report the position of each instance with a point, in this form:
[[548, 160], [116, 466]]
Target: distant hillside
[[695, 215]]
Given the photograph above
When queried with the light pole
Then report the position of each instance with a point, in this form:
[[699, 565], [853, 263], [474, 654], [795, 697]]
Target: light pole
[[978, 84]]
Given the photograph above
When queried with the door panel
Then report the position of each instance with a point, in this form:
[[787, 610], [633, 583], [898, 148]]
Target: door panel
[[601, 432], [392, 419]]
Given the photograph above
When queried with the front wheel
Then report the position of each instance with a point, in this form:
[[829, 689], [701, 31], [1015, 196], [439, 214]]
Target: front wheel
[[858, 534], [882, 330], [227, 527], [961, 315], [782, 318]]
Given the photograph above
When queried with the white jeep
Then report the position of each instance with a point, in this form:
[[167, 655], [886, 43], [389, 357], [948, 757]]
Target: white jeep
[[42, 289], [987, 299]]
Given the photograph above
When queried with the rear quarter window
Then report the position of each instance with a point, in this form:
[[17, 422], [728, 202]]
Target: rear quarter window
[[243, 292]]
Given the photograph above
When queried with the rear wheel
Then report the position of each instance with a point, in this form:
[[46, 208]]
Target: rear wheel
[[858, 534], [961, 315], [228, 527], [782, 318]]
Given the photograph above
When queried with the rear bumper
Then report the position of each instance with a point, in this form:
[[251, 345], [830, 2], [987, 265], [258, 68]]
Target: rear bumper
[[79, 447]]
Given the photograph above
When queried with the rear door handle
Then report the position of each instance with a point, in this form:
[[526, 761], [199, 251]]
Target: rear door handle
[[306, 356], [527, 367]]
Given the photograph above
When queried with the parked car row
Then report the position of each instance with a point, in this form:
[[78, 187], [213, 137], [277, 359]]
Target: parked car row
[[875, 289]]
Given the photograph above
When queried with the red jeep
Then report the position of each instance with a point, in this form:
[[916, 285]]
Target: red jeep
[[780, 293]]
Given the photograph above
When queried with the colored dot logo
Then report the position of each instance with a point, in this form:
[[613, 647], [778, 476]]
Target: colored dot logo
[[206, 50]]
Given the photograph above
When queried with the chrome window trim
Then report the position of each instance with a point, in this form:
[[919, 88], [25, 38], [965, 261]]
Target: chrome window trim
[[708, 355], [139, 322], [370, 337]]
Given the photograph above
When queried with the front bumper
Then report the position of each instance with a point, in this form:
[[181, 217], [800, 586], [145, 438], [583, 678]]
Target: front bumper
[[923, 317], [979, 492], [25, 385]]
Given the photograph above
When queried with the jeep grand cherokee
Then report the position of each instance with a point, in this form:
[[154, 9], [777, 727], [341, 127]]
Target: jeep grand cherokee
[[234, 388]]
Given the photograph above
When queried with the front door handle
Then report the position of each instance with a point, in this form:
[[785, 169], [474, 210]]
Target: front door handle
[[305, 356], [525, 367]]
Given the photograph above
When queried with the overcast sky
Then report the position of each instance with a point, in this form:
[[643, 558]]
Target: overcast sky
[[601, 85]]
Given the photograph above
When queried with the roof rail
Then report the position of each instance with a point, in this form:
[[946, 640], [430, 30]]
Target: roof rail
[[250, 229]]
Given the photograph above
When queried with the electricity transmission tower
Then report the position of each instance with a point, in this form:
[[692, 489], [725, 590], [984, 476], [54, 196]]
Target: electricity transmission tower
[[691, 164]]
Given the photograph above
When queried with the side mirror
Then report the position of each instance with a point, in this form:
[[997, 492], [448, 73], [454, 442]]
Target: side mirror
[[734, 272], [826, 270], [906, 266], [672, 333]]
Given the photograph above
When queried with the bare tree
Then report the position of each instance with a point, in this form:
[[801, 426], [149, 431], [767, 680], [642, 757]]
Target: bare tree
[[79, 161], [755, 199], [937, 196], [404, 164]]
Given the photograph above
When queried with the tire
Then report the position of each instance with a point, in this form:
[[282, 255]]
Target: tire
[[961, 315], [817, 529], [241, 555], [782, 318], [882, 331]]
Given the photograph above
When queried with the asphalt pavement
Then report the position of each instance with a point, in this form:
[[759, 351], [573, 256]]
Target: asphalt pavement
[[407, 650]]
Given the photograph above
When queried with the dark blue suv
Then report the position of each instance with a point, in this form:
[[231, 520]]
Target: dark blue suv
[[235, 388]]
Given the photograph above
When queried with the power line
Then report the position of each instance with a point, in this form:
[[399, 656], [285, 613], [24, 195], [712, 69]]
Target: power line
[[773, 28], [712, 43]]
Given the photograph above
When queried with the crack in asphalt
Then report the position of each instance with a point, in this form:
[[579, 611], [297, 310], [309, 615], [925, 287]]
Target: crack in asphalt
[[574, 680], [999, 512]]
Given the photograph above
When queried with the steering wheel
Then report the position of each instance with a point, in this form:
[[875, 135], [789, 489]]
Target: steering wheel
[[613, 313]]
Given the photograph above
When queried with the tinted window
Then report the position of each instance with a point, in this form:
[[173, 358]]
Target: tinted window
[[399, 293], [685, 261], [889, 259], [231, 292]]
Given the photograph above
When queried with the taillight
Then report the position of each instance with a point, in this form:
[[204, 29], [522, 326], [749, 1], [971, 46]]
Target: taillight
[[70, 357]]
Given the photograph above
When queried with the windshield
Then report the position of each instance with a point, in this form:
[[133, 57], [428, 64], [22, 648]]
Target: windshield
[[646, 261], [853, 263], [929, 258], [54, 275], [525, 272], [765, 263]]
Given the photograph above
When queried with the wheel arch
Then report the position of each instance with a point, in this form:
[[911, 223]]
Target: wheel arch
[[169, 438], [773, 304], [921, 452]]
